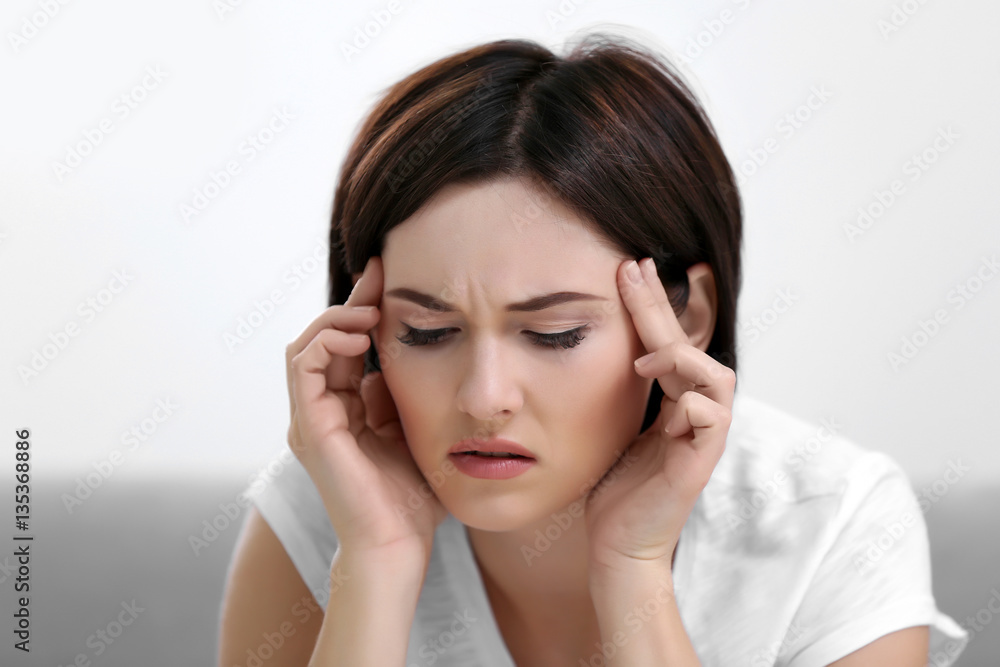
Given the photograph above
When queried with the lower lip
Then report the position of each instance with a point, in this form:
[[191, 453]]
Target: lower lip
[[490, 467]]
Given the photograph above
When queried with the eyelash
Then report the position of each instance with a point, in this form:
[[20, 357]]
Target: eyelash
[[561, 340]]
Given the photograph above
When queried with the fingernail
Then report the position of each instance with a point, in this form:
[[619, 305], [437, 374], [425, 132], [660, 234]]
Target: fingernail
[[642, 361], [633, 273]]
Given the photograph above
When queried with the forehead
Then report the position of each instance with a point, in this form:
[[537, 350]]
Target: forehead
[[505, 232]]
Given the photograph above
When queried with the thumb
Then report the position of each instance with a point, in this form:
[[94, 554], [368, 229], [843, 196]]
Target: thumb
[[380, 409]]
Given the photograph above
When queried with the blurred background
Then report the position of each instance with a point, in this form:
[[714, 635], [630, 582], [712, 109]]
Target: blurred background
[[166, 178]]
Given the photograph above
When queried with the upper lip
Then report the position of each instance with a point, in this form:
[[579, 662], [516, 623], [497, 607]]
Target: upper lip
[[492, 445]]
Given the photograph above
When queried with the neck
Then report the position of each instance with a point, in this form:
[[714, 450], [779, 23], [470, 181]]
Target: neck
[[544, 562]]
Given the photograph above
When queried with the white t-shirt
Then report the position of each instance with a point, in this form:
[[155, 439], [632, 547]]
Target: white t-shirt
[[802, 548]]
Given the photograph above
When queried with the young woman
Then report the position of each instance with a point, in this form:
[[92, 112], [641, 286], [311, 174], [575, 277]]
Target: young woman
[[514, 444]]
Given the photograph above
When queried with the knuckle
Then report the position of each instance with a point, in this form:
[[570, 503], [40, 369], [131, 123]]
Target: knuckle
[[725, 375], [674, 347]]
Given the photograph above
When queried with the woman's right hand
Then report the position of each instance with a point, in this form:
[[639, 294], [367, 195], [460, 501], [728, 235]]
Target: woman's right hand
[[346, 431]]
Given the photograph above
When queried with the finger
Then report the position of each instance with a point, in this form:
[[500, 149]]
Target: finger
[[346, 318], [680, 367], [380, 409], [707, 421], [309, 382], [368, 290], [347, 373], [647, 302], [341, 318], [690, 461]]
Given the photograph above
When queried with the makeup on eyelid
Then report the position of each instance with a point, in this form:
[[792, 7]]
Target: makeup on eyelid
[[558, 340]]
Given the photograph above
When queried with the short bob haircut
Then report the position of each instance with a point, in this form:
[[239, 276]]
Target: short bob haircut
[[610, 130]]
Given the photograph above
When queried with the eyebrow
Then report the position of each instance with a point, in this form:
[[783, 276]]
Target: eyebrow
[[531, 305]]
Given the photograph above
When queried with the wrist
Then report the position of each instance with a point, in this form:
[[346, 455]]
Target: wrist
[[631, 578], [397, 564], [622, 567]]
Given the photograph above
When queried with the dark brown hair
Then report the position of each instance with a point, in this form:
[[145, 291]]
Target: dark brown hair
[[610, 129]]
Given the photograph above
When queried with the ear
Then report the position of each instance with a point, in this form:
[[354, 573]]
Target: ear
[[698, 318]]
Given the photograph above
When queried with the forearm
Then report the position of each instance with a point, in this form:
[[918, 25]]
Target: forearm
[[639, 618], [373, 600]]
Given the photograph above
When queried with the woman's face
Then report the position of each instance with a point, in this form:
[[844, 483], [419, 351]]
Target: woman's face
[[478, 248]]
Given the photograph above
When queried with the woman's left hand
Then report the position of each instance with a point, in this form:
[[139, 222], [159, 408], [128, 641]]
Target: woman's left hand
[[636, 512]]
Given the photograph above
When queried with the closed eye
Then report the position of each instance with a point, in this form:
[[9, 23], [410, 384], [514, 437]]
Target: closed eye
[[562, 340]]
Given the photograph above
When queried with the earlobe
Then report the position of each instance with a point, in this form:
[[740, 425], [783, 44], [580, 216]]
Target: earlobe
[[698, 318]]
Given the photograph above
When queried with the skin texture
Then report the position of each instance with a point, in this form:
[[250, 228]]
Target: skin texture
[[575, 409], [479, 248]]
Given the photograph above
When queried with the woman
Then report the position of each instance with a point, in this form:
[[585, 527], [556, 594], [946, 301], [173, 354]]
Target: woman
[[515, 444]]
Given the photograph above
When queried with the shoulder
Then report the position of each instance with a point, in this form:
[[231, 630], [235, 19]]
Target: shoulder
[[287, 499], [780, 470], [802, 459], [804, 545]]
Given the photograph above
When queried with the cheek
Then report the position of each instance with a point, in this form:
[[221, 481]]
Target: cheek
[[417, 400], [608, 398]]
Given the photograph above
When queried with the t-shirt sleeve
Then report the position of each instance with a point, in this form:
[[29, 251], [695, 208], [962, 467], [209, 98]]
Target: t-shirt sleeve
[[875, 577], [293, 508]]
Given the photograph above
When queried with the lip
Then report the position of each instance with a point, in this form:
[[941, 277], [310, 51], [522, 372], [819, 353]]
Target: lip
[[484, 467], [493, 445]]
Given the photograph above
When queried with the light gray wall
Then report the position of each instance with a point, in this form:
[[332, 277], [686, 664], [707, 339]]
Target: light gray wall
[[849, 300]]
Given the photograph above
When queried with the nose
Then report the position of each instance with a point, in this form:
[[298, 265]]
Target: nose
[[489, 387]]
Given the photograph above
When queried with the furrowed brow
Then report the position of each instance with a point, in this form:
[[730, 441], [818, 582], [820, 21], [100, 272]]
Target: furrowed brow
[[530, 305]]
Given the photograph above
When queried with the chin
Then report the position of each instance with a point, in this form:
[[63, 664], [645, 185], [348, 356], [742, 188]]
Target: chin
[[503, 512]]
